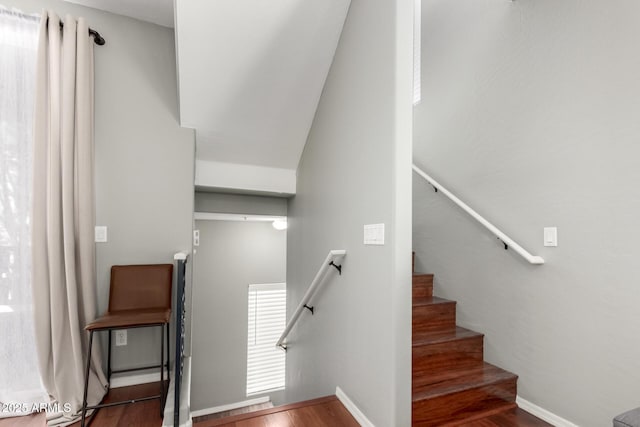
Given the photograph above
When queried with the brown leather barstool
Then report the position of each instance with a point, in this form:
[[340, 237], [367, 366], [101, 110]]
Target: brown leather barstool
[[139, 297]]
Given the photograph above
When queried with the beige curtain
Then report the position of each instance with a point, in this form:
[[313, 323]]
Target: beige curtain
[[64, 282]]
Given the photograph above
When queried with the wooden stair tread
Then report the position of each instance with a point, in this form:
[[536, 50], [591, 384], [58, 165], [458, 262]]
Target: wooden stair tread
[[460, 380], [440, 336], [329, 405], [417, 302]]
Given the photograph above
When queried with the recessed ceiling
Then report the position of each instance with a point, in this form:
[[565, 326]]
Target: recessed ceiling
[[155, 11]]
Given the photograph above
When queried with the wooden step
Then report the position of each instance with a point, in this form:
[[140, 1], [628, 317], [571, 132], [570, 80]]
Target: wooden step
[[461, 395], [422, 285], [432, 314], [324, 411], [449, 350], [515, 417], [231, 412], [413, 261]]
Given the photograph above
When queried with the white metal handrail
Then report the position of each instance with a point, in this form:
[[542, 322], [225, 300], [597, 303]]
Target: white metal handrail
[[533, 259], [329, 262]]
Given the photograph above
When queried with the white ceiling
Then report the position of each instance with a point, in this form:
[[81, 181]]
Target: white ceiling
[[251, 73], [156, 11], [250, 76]]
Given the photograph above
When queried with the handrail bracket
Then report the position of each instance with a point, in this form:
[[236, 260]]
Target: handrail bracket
[[309, 308], [506, 247], [338, 267]]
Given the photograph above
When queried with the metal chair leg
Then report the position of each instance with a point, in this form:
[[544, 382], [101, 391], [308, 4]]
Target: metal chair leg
[[86, 380], [168, 345], [109, 360]]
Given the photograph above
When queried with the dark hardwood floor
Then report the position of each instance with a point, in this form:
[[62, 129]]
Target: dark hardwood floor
[[141, 414], [322, 412]]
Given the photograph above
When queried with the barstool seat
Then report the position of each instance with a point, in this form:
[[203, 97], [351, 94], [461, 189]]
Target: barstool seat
[[130, 319], [139, 297]]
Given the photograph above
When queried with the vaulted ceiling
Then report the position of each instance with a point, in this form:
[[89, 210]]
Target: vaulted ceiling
[[250, 76]]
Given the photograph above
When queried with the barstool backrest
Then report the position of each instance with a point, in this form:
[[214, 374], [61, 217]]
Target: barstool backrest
[[140, 287]]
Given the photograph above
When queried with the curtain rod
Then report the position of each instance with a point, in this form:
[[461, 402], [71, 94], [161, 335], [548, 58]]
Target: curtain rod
[[97, 38]]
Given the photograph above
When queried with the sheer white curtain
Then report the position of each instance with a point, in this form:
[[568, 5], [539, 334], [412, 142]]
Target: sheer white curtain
[[19, 376]]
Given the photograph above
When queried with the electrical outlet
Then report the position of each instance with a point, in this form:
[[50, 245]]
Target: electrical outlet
[[121, 337]]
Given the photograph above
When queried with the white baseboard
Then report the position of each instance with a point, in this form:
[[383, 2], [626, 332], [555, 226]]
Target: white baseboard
[[230, 406], [353, 409], [543, 414], [128, 379]]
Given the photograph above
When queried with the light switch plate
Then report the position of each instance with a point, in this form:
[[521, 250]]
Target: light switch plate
[[196, 237], [551, 236], [374, 234], [100, 234]]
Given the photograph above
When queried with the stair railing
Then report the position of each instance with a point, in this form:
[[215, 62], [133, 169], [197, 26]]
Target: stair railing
[[506, 240], [181, 281], [332, 259]]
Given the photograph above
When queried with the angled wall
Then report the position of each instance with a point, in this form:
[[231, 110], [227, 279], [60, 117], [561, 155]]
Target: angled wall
[[530, 115], [355, 170]]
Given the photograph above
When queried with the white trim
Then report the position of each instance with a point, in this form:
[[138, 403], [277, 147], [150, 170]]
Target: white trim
[[353, 409], [251, 178], [281, 286], [180, 256], [126, 380], [210, 216], [543, 414], [187, 423], [230, 406]]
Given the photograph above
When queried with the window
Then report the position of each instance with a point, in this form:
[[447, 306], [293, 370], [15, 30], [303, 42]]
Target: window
[[19, 375], [267, 320], [417, 46]]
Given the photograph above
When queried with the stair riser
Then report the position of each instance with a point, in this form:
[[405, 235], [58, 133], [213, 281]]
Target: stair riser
[[459, 406], [434, 317], [413, 262], [423, 286], [457, 354]]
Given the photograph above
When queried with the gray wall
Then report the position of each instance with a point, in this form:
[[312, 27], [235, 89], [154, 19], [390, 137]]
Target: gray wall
[[144, 159], [240, 204], [231, 256], [355, 170], [530, 115]]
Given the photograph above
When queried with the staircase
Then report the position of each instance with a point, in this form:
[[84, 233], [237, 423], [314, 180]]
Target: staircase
[[451, 383]]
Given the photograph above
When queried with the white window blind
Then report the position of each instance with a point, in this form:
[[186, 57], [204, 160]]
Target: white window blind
[[267, 320]]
